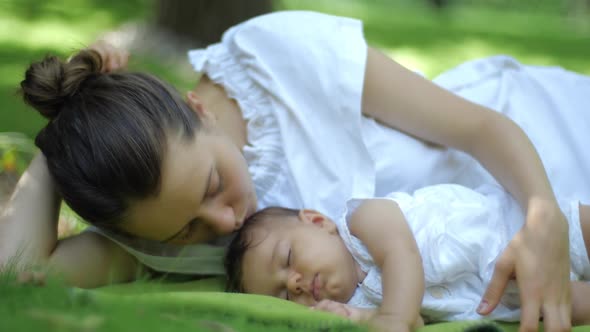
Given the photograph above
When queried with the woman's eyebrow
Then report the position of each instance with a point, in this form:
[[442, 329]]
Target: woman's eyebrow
[[202, 199]]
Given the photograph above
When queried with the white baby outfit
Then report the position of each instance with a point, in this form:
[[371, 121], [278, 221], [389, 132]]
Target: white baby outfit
[[460, 233], [298, 79]]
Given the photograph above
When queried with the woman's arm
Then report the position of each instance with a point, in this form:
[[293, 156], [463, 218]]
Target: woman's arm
[[383, 229], [539, 253], [28, 224], [28, 237], [404, 100]]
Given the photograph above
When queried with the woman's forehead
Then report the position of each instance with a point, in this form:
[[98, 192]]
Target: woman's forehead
[[184, 157], [184, 175]]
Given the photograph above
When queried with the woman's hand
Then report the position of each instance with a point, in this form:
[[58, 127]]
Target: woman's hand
[[113, 58], [344, 310], [539, 257]]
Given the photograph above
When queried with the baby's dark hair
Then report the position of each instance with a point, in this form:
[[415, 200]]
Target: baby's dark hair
[[107, 133], [243, 241]]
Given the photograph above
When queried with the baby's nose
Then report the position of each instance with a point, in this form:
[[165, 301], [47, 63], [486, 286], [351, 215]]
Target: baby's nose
[[295, 283]]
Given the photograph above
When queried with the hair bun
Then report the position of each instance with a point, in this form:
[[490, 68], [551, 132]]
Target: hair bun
[[48, 84]]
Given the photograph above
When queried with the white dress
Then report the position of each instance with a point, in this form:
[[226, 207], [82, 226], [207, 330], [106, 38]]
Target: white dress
[[298, 78], [460, 234]]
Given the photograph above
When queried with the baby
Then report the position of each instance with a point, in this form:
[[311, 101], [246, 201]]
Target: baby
[[428, 255]]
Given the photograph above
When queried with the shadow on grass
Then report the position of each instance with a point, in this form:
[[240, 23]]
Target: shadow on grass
[[78, 10]]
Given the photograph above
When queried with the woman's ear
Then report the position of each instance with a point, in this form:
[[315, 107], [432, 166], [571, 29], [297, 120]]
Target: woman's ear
[[317, 219], [206, 117]]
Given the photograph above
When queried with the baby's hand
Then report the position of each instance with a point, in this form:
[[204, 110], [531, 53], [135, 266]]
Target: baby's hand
[[112, 57], [35, 278], [344, 310]]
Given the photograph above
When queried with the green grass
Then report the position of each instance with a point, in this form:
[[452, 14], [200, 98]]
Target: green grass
[[159, 306], [31, 29], [152, 307], [432, 42]]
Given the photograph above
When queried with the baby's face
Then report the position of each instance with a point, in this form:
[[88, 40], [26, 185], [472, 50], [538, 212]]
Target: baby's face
[[302, 260]]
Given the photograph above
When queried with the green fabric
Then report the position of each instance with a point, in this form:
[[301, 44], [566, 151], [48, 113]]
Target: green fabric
[[194, 259], [254, 312]]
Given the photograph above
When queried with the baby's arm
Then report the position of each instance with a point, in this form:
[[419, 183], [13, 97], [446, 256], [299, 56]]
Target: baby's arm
[[383, 229]]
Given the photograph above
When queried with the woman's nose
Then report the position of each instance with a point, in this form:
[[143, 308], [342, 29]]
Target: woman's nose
[[221, 219]]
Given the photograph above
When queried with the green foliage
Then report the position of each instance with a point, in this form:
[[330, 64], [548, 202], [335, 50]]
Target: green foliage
[[16, 151]]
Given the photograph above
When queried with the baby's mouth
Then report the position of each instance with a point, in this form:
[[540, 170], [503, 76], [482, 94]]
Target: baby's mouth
[[315, 287]]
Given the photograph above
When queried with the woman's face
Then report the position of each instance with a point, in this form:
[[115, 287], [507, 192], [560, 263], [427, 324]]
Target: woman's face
[[206, 191]]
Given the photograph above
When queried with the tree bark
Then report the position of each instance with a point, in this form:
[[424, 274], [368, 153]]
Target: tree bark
[[439, 4], [202, 22]]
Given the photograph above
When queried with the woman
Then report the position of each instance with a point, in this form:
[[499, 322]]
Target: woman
[[276, 116]]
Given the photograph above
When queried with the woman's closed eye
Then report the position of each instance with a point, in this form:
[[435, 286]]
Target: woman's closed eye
[[190, 230], [216, 187]]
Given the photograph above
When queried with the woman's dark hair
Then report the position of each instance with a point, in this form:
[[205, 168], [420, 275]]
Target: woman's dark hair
[[107, 132], [234, 256]]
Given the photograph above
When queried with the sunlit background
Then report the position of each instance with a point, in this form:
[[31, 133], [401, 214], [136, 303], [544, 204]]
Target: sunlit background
[[425, 35]]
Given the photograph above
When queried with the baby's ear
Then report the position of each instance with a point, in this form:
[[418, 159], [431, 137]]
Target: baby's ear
[[317, 219]]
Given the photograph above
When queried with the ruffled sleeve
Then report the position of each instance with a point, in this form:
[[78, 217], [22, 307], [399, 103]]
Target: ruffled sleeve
[[298, 79]]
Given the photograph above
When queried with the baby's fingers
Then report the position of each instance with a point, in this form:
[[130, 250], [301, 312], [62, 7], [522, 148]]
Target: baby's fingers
[[333, 307], [36, 278]]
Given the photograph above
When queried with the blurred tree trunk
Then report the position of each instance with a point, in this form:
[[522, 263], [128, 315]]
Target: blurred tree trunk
[[439, 4], [580, 7], [202, 22]]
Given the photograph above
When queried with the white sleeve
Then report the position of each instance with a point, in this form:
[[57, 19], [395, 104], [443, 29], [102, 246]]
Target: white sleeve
[[312, 68]]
